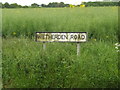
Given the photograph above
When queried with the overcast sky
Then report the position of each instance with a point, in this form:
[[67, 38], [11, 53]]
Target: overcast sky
[[29, 2]]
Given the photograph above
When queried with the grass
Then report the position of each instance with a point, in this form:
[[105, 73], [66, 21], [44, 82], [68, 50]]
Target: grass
[[26, 64], [24, 22]]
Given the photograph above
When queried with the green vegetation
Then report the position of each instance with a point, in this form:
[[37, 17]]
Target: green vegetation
[[96, 4], [26, 64], [61, 4]]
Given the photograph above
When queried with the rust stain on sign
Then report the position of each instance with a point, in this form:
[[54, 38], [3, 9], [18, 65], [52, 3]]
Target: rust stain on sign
[[61, 36]]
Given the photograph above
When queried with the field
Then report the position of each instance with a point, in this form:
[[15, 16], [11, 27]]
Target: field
[[27, 65]]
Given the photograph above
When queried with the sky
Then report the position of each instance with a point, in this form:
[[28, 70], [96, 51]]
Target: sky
[[29, 2]]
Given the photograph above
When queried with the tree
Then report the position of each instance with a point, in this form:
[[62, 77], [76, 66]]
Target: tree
[[6, 5], [66, 5], [106, 0], [115, 0], [61, 4], [19, 6], [43, 5], [101, 4], [34, 5], [15, 5], [25, 6], [56, 4], [111, 0], [1, 5]]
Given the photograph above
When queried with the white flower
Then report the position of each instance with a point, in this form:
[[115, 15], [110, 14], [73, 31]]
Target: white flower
[[116, 47], [116, 44], [118, 50]]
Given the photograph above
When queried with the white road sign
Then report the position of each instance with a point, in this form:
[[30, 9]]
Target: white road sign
[[61, 36]]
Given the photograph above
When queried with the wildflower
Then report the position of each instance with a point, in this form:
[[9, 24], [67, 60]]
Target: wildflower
[[117, 45], [82, 5], [14, 33], [107, 36], [94, 39], [72, 6], [118, 50]]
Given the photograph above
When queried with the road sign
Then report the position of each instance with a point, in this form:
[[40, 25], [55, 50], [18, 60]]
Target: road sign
[[61, 36]]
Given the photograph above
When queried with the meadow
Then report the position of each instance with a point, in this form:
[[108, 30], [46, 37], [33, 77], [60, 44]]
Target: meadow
[[27, 65]]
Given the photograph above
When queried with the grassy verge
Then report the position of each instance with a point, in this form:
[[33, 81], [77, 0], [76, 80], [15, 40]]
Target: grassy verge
[[27, 65]]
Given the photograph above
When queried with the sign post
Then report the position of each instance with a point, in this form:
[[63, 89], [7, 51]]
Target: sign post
[[44, 46], [76, 37], [78, 49]]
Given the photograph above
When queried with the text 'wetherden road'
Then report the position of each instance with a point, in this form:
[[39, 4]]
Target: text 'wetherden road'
[[61, 36]]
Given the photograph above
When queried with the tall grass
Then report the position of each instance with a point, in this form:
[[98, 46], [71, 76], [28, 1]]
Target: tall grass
[[26, 64], [99, 22]]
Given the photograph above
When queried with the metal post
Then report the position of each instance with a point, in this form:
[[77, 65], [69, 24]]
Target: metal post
[[78, 49], [44, 46]]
